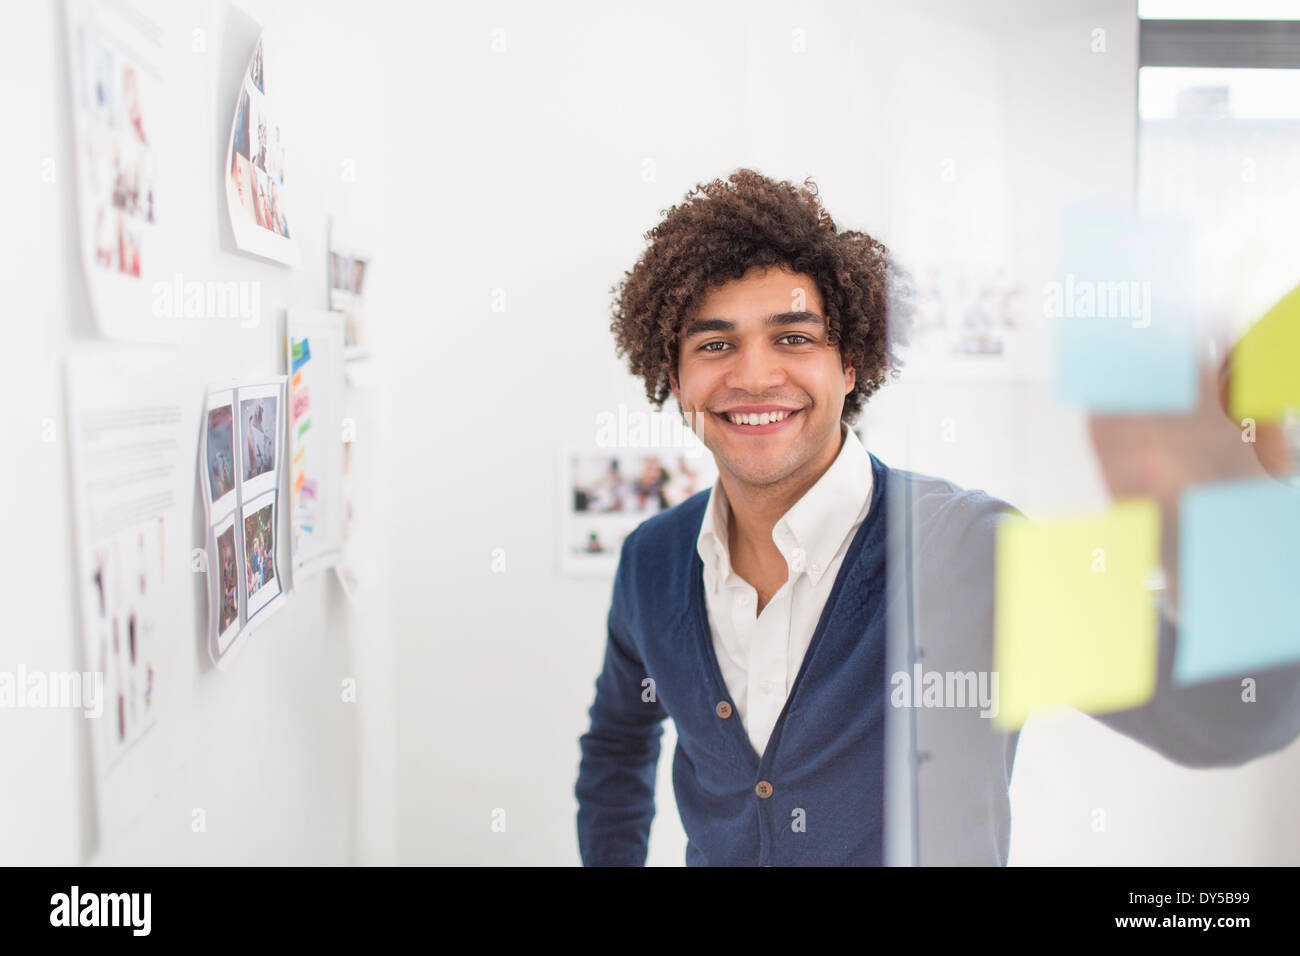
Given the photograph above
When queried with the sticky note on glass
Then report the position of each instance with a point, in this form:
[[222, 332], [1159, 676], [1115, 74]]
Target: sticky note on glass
[[1239, 579], [1121, 311], [1075, 621], [1266, 364]]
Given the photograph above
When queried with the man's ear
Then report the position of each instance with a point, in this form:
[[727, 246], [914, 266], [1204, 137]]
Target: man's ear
[[850, 379]]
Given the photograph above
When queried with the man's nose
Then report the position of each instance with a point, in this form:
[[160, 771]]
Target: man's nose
[[756, 370]]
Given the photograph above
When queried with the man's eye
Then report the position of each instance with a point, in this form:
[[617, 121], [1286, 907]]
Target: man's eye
[[795, 335], [705, 347]]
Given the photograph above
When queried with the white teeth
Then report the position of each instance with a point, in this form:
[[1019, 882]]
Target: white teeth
[[751, 419]]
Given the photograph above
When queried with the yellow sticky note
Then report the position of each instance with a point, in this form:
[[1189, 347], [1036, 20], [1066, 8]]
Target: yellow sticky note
[[1266, 364], [1075, 621]]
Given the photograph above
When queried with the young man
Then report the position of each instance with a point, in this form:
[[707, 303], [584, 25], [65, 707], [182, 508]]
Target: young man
[[759, 614]]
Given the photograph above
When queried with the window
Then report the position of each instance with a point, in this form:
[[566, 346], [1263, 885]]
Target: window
[[1219, 143]]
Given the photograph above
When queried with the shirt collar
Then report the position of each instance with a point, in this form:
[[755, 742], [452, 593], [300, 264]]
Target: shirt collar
[[811, 532]]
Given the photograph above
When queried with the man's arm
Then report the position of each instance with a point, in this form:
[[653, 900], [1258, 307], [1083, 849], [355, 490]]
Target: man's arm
[[1219, 723], [620, 751], [1212, 724]]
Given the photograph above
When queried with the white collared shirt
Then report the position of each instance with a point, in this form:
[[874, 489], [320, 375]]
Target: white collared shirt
[[760, 656]]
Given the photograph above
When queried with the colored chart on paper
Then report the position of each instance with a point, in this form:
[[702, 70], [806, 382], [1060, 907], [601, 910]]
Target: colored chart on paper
[[314, 354]]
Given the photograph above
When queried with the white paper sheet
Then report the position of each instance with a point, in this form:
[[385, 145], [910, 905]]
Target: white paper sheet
[[347, 269], [608, 491], [124, 162], [131, 437], [257, 187], [357, 568], [314, 352]]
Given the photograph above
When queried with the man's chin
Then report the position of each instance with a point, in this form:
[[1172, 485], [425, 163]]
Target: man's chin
[[759, 473]]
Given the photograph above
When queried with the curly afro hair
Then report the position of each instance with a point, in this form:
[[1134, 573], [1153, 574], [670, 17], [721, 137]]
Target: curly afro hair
[[722, 230]]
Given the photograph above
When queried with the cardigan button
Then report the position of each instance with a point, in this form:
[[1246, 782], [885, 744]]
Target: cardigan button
[[723, 709], [764, 789]]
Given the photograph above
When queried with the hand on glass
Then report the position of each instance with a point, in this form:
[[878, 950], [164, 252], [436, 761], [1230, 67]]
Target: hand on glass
[[1161, 456]]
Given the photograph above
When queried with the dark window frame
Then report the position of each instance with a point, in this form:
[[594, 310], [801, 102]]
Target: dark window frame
[[1226, 44]]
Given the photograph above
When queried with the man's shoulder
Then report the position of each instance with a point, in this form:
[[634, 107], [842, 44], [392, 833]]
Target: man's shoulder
[[671, 534], [936, 493], [943, 515]]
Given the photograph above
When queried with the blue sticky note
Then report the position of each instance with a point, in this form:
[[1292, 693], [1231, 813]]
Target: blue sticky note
[[1121, 309], [1239, 579]]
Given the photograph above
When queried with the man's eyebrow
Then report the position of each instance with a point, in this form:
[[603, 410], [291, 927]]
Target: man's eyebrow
[[702, 325]]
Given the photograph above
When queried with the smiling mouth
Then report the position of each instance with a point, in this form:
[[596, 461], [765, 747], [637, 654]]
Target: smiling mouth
[[761, 424]]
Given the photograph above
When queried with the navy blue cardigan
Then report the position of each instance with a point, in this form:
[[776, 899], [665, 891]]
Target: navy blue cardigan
[[817, 795], [825, 755]]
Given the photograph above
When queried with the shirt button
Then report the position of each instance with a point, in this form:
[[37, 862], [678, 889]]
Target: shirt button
[[764, 789], [723, 709], [816, 569], [765, 686]]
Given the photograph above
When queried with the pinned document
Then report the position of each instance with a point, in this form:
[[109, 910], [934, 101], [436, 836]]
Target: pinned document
[[318, 518]]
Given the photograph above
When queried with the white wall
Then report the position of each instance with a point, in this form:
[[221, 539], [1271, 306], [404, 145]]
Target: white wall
[[276, 757]]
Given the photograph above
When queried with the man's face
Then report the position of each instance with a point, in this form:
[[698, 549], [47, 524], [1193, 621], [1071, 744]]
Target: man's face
[[759, 344]]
